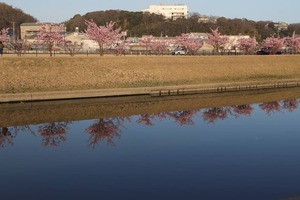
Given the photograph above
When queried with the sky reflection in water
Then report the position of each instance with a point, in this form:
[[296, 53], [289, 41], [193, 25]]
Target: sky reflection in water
[[232, 152]]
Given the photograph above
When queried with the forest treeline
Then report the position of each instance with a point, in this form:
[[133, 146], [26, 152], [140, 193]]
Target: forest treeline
[[137, 23]]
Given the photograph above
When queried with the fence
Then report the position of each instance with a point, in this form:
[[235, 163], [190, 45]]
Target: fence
[[37, 52]]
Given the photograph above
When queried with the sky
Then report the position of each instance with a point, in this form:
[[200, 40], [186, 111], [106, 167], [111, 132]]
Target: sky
[[257, 10]]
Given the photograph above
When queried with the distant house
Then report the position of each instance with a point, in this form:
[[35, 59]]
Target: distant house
[[206, 19], [169, 11], [281, 26]]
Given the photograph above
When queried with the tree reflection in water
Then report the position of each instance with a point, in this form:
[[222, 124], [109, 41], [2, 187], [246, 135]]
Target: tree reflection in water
[[146, 119], [184, 117], [181, 117], [106, 130], [242, 110], [53, 133], [271, 107], [5, 137], [17, 129], [290, 105], [213, 114]]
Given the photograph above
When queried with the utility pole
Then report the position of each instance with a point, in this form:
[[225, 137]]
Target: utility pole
[[14, 31]]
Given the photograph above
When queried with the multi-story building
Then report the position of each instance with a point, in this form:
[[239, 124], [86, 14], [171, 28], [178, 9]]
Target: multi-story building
[[169, 11], [29, 31]]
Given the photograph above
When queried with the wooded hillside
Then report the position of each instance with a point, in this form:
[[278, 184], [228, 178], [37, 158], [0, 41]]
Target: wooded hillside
[[138, 23], [8, 15]]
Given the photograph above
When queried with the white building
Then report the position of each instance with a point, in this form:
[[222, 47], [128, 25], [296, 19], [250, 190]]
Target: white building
[[206, 19], [281, 26], [80, 38], [169, 11]]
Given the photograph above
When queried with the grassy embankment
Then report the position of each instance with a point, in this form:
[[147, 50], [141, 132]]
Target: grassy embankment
[[34, 74]]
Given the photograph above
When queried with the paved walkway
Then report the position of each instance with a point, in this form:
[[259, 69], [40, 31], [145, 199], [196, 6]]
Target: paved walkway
[[152, 91]]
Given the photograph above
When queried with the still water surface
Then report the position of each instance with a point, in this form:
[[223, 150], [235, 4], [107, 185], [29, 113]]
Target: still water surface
[[230, 152]]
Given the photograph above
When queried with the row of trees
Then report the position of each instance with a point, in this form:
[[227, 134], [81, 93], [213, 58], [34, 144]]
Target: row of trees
[[220, 42], [105, 130], [106, 36]]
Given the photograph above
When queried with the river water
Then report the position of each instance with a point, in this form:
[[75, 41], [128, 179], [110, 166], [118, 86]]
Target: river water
[[233, 151]]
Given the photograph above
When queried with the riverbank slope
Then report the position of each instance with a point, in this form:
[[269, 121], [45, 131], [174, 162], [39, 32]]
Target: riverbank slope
[[30, 74]]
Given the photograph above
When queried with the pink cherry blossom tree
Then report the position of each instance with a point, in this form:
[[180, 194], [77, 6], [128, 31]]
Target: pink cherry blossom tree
[[273, 44], [72, 47], [51, 35], [103, 35], [3, 34], [247, 45], [145, 42], [293, 43], [118, 48], [159, 46], [216, 40], [191, 43], [20, 46]]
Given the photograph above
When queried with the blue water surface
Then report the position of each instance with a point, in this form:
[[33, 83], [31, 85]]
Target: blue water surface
[[177, 155]]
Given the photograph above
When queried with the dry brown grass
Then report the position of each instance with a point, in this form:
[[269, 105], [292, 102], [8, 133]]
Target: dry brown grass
[[32, 74]]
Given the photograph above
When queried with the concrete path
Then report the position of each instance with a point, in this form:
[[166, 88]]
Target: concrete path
[[152, 91]]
